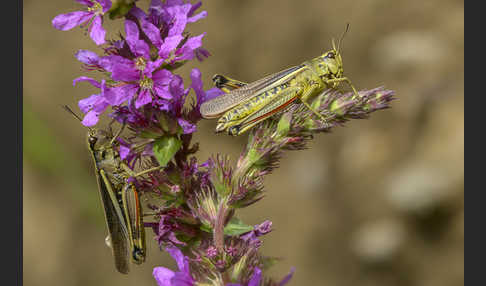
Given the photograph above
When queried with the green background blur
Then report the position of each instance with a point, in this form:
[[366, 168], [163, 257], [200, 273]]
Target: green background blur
[[378, 202]]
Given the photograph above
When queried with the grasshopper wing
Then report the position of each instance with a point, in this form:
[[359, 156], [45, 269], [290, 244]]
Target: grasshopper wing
[[115, 223], [215, 107]]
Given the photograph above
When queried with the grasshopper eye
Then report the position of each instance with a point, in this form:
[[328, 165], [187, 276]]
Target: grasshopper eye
[[331, 55]]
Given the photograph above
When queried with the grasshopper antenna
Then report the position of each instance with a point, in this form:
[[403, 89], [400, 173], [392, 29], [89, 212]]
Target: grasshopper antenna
[[69, 110], [342, 37]]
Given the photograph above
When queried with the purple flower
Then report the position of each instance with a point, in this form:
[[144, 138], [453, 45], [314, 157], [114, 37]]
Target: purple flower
[[94, 16], [287, 278], [263, 228], [166, 231], [258, 230], [94, 105], [201, 95], [141, 77], [254, 280], [172, 17], [211, 251], [167, 277]]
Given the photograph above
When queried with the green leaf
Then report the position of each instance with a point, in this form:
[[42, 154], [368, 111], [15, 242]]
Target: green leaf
[[120, 8], [165, 148], [236, 227]]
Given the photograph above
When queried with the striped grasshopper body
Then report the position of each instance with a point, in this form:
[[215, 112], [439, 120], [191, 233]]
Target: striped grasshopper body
[[245, 105], [120, 199]]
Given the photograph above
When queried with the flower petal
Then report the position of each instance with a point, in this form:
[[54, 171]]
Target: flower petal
[[124, 149], [97, 32], [178, 16], [180, 259], [87, 57], [197, 17], [163, 92], [108, 62], [88, 79], [70, 20], [255, 279], [287, 278], [137, 13], [86, 104], [163, 276], [91, 118], [122, 72], [151, 66], [162, 77], [137, 46], [197, 84], [106, 4], [187, 127], [187, 50], [182, 279], [170, 43], [120, 94], [193, 9], [152, 32], [88, 3], [212, 93], [143, 98]]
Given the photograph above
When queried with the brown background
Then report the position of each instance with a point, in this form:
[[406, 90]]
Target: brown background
[[379, 202]]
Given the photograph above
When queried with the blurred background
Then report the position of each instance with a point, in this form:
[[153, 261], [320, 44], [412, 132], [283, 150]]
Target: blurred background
[[378, 202]]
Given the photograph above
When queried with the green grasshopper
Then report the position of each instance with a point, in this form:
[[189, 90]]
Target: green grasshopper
[[120, 199], [246, 104]]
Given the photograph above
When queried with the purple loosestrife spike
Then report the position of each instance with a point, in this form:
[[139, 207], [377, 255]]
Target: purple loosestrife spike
[[193, 206]]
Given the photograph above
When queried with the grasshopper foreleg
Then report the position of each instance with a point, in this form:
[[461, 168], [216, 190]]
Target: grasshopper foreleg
[[347, 81]]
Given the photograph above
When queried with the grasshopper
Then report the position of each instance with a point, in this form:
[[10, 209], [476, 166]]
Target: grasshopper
[[120, 199], [246, 104]]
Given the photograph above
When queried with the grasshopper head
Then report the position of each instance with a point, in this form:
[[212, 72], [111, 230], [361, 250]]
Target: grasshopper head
[[330, 64], [97, 137]]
